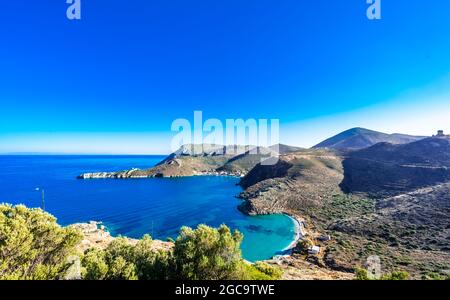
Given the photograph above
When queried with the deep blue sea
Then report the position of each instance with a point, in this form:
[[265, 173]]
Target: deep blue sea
[[134, 207]]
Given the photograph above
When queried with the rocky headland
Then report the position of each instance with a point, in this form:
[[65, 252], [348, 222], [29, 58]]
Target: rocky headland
[[95, 235], [197, 160]]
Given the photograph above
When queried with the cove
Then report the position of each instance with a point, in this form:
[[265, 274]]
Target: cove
[[134, 207]]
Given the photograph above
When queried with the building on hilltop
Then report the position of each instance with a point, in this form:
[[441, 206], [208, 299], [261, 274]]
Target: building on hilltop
[[440, 133]]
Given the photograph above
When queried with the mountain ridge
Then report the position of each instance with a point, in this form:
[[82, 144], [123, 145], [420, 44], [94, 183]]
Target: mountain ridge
[[387, 170], [360, 138]]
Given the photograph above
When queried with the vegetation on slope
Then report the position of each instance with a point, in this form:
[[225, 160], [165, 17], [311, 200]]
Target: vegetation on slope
[[387, 170], [408, 232], [34, 246], [298, 180]]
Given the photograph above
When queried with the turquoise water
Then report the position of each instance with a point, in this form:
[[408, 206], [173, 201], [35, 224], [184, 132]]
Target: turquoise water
[[134, 207]]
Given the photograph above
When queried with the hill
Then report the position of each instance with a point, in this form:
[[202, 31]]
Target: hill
[[359, 138], [387, 170], [301, 179], [387, 200], [285, 149]]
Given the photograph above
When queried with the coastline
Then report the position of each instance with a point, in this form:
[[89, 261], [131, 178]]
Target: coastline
[[299, 230], [96, 235], [130, 175]]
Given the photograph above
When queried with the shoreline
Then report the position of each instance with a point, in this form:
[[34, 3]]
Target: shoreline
[[97, 235], [299, 230], [122, 175]]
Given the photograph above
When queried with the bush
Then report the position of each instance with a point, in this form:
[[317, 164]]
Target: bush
[[262, 271], [123, 261], [204, 253], [397, 275], [150, 264], [94, 265], [362, 274], [208, 254], [33, 245], [214, 254], [435, 276], [303, 246]]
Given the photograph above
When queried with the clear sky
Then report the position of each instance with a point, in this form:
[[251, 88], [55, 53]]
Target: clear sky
[[114, 81]]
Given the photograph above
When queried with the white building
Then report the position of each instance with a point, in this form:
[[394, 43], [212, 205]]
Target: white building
[[314, 250]]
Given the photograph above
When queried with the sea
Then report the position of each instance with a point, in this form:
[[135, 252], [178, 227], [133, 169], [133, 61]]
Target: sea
[[134, 207]]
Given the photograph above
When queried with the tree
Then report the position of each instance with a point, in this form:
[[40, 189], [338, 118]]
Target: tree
[[94, 265], [122, 260], [208, 254], [33, 245], [214, 254], [303, 246], [150, 264], [116, 262]]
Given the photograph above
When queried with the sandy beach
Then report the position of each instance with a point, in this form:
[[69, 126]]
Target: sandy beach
[[299, 231]]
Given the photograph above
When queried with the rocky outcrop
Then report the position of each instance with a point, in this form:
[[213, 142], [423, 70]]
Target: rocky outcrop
[[95, 235], [297, 268], [134, 173]]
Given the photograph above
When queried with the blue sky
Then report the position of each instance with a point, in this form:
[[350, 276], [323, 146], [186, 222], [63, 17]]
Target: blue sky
[[114, 81]]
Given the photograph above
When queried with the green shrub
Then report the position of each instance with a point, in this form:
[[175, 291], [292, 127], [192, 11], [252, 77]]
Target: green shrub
[[208, 254], [435, 276], [262, 271], [397, 275], [303, 245], [33, 245], [363, 274], [123, 261], [94, 265]]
